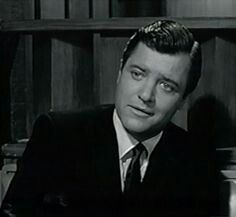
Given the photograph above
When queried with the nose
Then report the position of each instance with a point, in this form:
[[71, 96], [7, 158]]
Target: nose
[[147, 93]]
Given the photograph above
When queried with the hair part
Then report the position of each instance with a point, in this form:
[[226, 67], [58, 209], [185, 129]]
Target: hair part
[[169, 37]]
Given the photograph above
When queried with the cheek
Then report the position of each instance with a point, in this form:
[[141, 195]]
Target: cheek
[[125, 89], [167, 105], [121, 94]]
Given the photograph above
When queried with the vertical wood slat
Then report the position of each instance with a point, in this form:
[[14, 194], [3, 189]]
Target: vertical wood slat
[[137, 8], [52, 9], [201, 8], [29, 83], [106, 50], [72, 77], [96, 66], [11, 9], [111, 49], [17, 91], [79, 9], [62, 75], [9, 43], [101, 9], [115, 8], [28, 8], [83, 63], [41, 74]]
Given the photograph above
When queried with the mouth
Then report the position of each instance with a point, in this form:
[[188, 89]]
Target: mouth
[[141, 111]]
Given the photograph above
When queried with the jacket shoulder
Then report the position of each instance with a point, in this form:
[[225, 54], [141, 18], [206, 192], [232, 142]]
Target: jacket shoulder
[[81, 118]]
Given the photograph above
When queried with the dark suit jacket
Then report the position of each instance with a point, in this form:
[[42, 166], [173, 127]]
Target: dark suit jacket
[[71, 168]]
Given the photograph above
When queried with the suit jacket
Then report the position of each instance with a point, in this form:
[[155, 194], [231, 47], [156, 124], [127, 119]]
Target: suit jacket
[[71, 168]]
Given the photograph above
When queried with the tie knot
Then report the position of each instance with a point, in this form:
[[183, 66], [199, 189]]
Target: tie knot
[[138, 149]]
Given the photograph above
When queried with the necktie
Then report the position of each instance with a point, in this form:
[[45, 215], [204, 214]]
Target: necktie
[[133, 175]]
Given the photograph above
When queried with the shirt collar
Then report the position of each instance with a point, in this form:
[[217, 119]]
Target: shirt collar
[[126, 142]]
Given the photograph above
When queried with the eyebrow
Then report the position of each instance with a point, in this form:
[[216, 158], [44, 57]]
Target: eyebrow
[[139, 67], [170, 80]]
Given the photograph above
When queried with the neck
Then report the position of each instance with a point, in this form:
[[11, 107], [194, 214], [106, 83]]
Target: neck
[[144, 135]]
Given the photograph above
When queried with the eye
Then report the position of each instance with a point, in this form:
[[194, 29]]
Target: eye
[[167, 87], [137, 75]]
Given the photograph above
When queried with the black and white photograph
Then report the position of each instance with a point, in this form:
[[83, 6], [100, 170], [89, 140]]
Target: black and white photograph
[[117, 108]]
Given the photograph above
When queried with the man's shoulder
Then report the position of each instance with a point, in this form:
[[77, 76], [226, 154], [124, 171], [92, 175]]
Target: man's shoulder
[[176, 131], [72, 126], [87, 115], [178, 138]]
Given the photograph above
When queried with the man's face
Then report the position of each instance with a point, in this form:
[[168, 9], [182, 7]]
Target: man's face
[[150, 89]]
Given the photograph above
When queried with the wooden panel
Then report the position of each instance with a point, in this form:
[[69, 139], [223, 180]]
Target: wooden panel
[[79, 9], [226, 71], [137, 8], [72, 79], [41, 74], [83, 66], [29, 13], [60, 72], [8, 43], [208, 70], [29, 83], [213, 105], [52, 9], [29, 9], [110, 54], [206, 8], [11, 9], [17, 91], [124, 24], [62, 75], [96, 66], [101, 9], [16, 9], [218, 76], [14, 101]]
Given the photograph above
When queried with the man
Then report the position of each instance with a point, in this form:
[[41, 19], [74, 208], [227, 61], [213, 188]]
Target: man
[[122, 160]]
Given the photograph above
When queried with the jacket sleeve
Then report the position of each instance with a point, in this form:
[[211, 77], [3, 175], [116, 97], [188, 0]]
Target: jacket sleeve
[[33, 174]]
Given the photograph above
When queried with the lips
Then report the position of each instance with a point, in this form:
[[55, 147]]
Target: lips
[[141, 111]]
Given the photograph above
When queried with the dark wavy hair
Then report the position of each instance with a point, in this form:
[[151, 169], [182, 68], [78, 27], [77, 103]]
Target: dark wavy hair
[[169, 37]]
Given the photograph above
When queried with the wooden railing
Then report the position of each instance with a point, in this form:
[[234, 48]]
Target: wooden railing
[[111, 24]]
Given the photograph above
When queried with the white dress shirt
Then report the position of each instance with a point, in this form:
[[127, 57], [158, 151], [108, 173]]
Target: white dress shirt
[[126, 143]]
